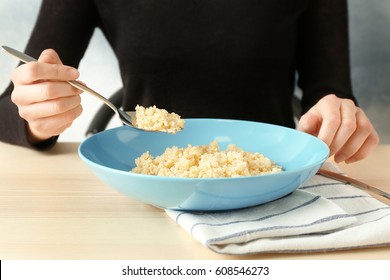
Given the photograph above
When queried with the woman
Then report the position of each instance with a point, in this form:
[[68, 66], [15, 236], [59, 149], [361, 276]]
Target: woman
[[222, 59]]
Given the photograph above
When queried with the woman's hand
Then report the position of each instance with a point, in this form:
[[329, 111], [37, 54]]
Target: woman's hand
[[343, 126], [45, 101]]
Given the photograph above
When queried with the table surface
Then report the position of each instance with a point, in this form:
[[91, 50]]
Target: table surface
[[53, 207]]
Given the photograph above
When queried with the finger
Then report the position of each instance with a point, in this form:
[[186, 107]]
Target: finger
[[37, 71], [49, 108], [347, 127], [331, 120], [45, 128], [361, 137], [50, 56], [40, 92], [309, 123], [369, 145]]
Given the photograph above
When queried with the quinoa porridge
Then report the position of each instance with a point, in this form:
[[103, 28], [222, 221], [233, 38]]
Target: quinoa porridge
[[206, 161], [155, 119]]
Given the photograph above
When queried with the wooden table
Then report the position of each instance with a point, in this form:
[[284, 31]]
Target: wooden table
[[53, 207]]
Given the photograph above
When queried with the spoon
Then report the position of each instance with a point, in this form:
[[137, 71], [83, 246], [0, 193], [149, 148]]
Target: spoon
[[353, 182], [125, 117]]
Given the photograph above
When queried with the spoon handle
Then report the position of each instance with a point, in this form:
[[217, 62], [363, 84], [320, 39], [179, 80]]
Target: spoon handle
[[83, 87], [353, 182]]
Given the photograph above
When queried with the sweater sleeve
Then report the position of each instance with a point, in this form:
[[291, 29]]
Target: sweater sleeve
[[323, 52], [65, 26]]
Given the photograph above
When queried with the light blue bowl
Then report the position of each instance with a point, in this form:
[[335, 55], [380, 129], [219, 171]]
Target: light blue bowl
[[111, 154]]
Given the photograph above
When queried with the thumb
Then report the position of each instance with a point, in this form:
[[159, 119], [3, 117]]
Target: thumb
[[49, 56], [310, 123], [57, 70]]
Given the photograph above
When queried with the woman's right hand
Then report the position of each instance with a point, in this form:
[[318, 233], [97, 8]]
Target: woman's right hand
[[45, 101]]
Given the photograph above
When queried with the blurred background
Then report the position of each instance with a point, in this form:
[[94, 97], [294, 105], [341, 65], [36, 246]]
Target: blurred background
[[370, 60]]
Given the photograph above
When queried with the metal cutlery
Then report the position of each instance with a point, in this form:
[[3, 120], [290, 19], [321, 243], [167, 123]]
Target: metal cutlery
[[353, 182]]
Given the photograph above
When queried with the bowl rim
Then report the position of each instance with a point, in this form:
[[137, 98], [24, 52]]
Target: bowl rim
[[172, 178]]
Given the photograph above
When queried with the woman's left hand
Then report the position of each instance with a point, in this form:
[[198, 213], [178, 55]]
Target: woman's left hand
[[343, 126]]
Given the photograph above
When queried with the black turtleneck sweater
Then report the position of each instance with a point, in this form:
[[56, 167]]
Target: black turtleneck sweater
[[203, 58]]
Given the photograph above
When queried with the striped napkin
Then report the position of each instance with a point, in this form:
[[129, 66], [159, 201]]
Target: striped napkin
[[322, 215]]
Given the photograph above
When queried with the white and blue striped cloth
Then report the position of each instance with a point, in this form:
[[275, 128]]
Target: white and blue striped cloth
[[322, 215]]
